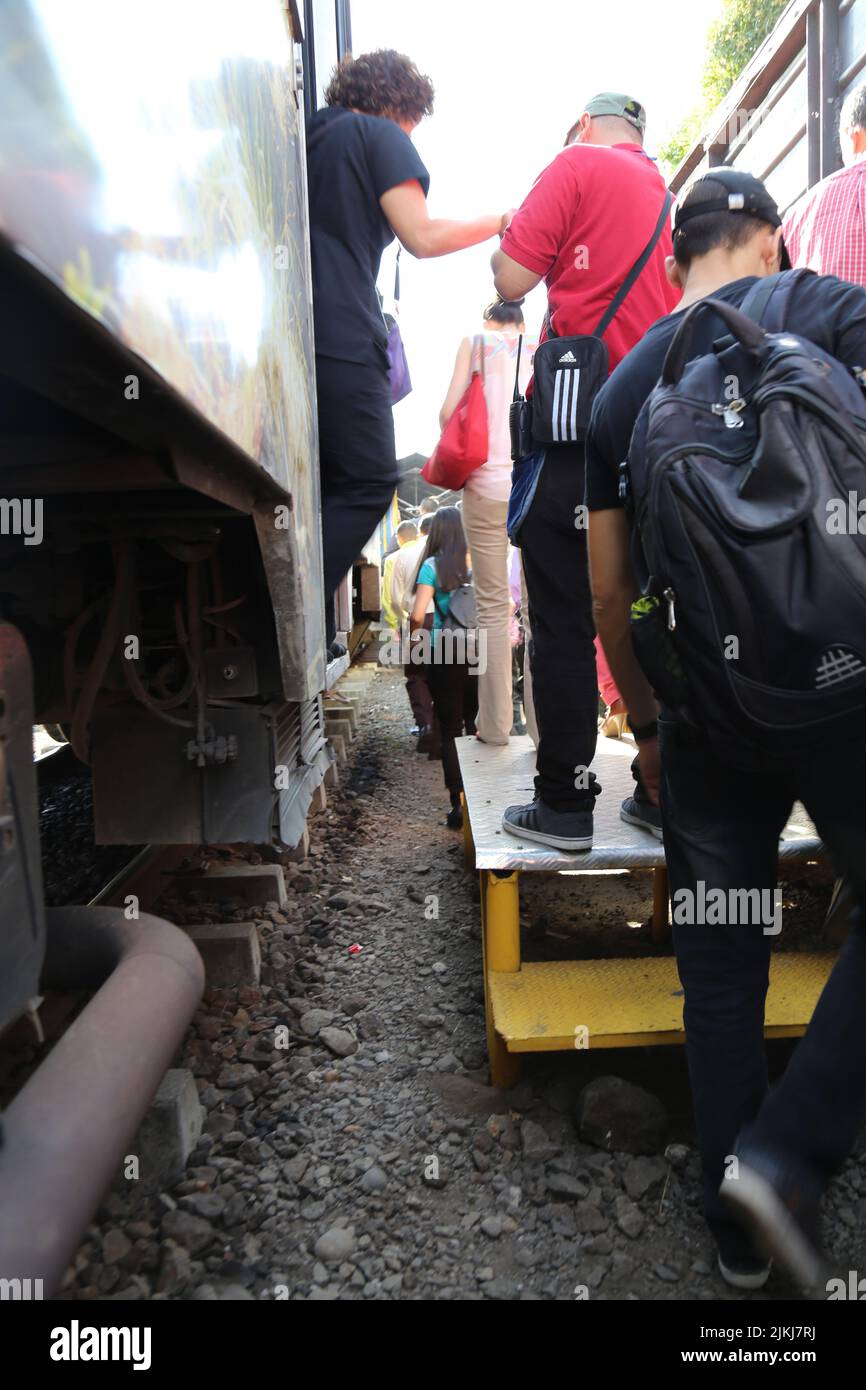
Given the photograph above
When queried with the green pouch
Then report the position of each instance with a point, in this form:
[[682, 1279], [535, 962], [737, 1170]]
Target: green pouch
[[656, 652]]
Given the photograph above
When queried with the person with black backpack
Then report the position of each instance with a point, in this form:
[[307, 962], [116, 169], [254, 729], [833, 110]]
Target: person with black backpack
[[731, 601], [452, 659]]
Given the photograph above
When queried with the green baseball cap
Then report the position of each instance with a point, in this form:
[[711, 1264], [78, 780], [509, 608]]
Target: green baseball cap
[[618, 104]]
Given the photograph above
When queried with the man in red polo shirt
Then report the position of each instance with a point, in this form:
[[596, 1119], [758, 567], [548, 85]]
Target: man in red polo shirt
[[583, 226]]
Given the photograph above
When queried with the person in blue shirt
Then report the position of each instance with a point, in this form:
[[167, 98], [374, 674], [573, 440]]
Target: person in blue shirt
[[445, 567]]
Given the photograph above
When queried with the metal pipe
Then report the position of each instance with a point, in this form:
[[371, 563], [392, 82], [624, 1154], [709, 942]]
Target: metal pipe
[[830, 153], [813, 97], [66, 1133]]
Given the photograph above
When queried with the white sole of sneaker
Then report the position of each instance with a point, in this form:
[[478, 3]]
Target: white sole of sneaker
[[635, 820], [554, 841], [773, 1226], [738, 1280]]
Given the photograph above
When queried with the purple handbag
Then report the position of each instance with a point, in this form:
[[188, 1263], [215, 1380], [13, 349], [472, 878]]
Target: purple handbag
[[398, 367]]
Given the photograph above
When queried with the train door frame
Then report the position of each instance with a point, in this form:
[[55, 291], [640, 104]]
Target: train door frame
[[343, 30]]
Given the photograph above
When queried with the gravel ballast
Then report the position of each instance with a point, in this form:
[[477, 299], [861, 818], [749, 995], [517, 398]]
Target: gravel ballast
[[352, 1148]]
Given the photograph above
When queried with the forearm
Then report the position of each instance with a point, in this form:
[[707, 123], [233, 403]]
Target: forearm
[[441, 235], [512, 280], [614, 629], [502, 268]]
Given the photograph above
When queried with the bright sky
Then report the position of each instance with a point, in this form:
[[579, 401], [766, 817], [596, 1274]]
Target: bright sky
[[510, 78]]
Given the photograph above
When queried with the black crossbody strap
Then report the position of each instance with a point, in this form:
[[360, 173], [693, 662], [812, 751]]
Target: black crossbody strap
[[517, 396], [629, 282], [397, 276]]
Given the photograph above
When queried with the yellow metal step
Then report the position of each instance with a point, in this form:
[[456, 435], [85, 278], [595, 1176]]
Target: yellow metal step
[[545, 1007]]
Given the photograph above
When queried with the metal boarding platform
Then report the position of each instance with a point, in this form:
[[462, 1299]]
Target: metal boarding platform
[[556, 1006]]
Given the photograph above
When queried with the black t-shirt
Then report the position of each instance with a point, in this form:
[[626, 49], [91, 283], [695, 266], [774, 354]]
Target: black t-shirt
[[828, 311], [351, 161]]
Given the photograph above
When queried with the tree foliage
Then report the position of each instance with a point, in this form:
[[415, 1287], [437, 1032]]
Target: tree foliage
[[731, 42]]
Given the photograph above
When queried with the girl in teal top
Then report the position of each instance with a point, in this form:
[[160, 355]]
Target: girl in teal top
[[429, 578], [445, 566]]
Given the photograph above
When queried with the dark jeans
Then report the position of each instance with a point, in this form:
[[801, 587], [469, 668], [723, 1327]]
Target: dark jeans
[[420, 698], [723, 809], [561, 652], [418, 688], [455, 700], [358, 463]]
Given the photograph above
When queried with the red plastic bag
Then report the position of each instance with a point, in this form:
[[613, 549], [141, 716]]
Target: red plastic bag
[[465, 440]]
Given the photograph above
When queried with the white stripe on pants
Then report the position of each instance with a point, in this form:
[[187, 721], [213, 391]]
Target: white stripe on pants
[[484, 522]]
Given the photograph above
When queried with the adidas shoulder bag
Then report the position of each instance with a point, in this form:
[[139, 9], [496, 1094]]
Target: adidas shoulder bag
[[570, 372]]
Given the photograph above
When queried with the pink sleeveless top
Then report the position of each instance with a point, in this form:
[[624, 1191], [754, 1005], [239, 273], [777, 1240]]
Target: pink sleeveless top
[[493, 478]]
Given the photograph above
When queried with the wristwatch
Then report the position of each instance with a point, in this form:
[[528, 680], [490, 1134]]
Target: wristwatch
[[642, 733]]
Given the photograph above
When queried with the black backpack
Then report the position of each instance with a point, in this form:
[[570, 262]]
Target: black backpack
[[740, 473], [462, 610], [462, 617]]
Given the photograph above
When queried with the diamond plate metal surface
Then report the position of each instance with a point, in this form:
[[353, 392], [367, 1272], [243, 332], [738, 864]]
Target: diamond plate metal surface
[[494, 778], [631, 1002]]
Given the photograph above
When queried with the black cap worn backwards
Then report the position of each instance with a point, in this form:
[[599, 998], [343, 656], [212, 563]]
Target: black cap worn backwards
[[738, 192]]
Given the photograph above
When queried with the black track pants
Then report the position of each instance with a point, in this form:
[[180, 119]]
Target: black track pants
[[358, 462]]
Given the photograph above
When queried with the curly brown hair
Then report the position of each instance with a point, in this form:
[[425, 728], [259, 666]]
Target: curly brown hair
[[384, 83]]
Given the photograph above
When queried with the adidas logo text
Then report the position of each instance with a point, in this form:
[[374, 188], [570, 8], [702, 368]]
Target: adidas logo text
[[569, 357]]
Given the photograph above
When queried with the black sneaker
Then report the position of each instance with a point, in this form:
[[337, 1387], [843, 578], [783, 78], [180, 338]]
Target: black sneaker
[[454, 819], [744, 1273], [566, 830], [642, 813], [782, 1216]]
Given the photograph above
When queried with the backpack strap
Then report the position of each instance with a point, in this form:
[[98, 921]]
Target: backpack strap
[[477, 354], [767, 301], [759, 296]]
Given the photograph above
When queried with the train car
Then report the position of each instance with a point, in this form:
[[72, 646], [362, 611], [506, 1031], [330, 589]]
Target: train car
[[160, 573], [780, 119]]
